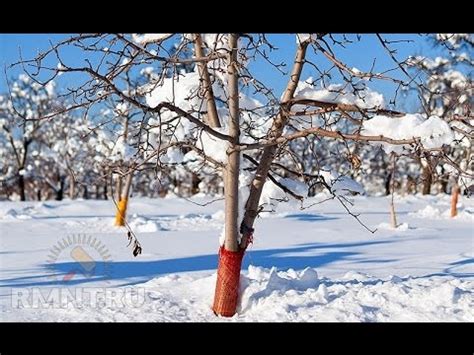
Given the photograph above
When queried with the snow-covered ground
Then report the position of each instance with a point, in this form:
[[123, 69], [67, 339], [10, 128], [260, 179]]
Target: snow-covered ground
[[316, 264]]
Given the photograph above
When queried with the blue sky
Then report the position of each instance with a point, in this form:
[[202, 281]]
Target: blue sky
[[359, 55]]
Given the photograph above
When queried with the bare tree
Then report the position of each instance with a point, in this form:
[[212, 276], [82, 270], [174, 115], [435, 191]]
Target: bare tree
[[207, 121], [445, 87]]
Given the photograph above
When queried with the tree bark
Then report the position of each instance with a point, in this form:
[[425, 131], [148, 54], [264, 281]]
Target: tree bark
[[231, 184], [72, 187], [252, 204], [212, 116], [128, 186], [388, 182], [393, 215], [119, 187]]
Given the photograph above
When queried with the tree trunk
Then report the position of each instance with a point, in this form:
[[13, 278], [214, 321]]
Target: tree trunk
[[454, 200], [85, 194], [212, 118], [388, 182], [38, 194], [393, 215], [72, 187], [60, 190], [121, 214], [21, 186], [105, 191], [118, 188], [444, 185], [410, 185], [195, 181], [230, 254], [225, 300], [427, 180]]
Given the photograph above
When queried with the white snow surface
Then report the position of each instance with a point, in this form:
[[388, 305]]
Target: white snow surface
[[315, 265]]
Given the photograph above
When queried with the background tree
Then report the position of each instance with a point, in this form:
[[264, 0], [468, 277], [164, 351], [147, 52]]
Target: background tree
[[445, 85], [22, 125]]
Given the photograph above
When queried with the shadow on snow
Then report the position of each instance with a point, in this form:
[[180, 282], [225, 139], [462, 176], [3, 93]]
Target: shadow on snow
[[132, 272]]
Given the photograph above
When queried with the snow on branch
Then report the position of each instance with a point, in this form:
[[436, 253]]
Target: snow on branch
[[150, 37], [431, 133], [330, 134], [338, 94], [331, 106]]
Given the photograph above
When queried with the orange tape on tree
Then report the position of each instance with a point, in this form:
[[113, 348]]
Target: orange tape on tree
[[121, 212]]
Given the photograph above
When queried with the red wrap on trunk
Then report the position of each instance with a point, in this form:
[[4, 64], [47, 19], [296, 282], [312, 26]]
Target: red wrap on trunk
[[228, 278]]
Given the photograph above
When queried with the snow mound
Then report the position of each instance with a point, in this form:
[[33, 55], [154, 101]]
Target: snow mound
[[281, 281], [12, 214], [429, 212], [401, 227], [143, 225], [357, 276], [368, 299]]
